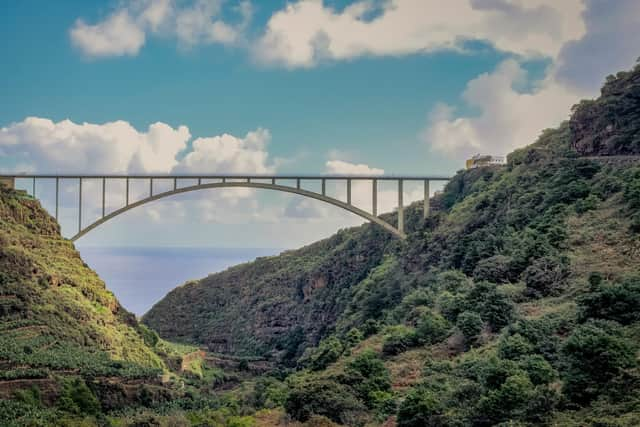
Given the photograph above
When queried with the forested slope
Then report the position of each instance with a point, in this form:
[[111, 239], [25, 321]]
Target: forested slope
[[70, 354], [518, 302]]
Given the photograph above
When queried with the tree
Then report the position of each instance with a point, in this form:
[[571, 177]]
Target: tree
[[539, 370], [495, 269], [399, 340], [613, 301], [366, 374], [431, 328], [309, 395], [494, 306], [327, 352], [470, 324], [545, 276], [514, 347], [422, 407], [595, 353]]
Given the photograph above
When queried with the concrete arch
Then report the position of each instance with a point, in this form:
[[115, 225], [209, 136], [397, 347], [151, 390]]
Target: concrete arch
[[276, 187]]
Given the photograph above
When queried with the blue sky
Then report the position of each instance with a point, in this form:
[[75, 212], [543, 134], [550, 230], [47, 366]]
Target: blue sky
[[300, 86]]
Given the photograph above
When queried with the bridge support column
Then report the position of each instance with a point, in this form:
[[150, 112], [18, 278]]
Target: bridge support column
[[425, 212], [400, 207], [374, 197], [57, 195], [348, 191], [104, 192], [80, 205]]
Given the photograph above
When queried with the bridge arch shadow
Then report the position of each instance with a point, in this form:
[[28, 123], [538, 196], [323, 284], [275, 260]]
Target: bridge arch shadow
[[257, 185]]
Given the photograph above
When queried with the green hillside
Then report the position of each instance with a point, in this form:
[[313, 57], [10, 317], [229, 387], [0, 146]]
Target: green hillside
[[71, 355], [516, 303]]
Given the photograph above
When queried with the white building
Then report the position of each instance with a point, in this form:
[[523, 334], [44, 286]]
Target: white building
[[480, 160]]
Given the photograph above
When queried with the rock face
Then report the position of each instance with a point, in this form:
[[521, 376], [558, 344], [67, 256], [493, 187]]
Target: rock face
[[609, 125]]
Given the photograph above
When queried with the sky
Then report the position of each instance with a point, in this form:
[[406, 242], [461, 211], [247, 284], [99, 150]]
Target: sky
[[297, 86]]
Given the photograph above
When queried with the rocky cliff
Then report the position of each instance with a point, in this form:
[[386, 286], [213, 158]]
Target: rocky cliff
[[609, 125]]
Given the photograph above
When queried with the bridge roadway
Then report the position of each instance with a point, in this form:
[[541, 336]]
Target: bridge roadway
[[268, 182]]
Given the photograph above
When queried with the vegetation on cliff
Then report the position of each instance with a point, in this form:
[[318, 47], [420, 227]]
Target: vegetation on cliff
[[512, 305], [70, 355]]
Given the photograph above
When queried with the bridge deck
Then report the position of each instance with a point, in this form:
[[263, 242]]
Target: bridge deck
[[205, 181], [236, 176]]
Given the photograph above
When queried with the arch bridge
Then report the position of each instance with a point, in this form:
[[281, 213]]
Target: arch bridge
[[200, 182]]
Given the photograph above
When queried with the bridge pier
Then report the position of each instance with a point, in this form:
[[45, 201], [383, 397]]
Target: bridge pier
[[58, 195], [374, 197], [425, 211], [400, 207]]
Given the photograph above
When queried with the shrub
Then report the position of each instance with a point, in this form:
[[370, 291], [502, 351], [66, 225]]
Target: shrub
[[431, 328], [494, 306], [470, 324], [632, 193], [30, 396], [77, 398], [354, 336], [309, 396], [539, 370], [453, 281], [595, 353], [541, 333], [366, 374], [587, 204], [399, 340], [370, 327], [495, 269], [450, 305], [509, 401], [269, 393], [422, 407], [545, 276], [613, 301], [149, 336], [383, 402], [327, 352], [514, 347]]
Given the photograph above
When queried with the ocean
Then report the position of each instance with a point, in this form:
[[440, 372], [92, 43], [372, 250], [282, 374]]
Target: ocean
[[140, 277]]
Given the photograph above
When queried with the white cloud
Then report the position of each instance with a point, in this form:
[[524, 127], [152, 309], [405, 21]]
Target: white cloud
[[508, 118], [114, 147], [306, 32], [117, 147], [43, 146], [229, 154], [125, 31], [339, 167], [610, 44], [117, 35]]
